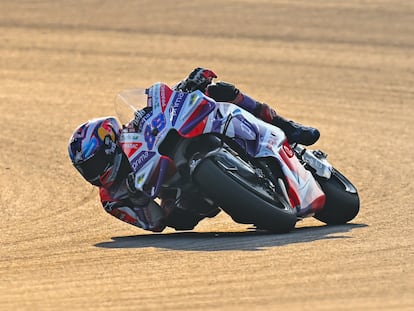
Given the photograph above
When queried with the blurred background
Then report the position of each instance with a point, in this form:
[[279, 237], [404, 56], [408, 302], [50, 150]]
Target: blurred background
[[344, 67]]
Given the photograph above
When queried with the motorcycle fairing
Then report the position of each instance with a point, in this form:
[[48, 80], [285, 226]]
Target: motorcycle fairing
[[304, 192], [192, 114], [186, 113]]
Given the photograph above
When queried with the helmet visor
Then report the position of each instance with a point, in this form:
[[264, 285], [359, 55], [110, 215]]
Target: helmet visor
[[92, 168]]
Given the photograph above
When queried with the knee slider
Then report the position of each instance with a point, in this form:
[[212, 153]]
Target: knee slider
[[222, 91]]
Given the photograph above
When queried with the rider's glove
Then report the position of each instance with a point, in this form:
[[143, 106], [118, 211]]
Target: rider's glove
[[198, 79], [137, 197]]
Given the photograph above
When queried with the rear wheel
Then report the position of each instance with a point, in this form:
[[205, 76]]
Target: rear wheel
[[342, 200], [239, 191]]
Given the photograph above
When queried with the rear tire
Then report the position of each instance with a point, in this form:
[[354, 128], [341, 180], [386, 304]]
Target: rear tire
[[342, 200], [241, 197]]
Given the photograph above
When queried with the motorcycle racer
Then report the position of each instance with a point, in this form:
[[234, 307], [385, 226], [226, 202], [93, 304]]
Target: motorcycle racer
[[95, 152]]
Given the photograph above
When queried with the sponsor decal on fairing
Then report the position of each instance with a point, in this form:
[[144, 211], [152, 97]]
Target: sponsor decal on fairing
[[178, 100], [140, 159]]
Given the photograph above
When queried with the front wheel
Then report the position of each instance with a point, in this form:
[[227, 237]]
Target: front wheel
[[342, 200], [234, 186]]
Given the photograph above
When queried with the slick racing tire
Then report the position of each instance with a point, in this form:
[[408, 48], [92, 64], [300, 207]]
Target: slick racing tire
[[225, 181], [342, 200]]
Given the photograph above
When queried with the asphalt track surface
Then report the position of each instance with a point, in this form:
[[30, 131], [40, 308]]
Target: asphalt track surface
[[346, 67]]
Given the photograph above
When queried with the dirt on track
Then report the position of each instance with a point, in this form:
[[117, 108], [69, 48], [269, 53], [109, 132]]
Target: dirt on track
[[346, 67]]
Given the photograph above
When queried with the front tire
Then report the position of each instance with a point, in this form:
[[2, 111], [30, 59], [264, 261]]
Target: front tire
[[342, 200], [224, 179]]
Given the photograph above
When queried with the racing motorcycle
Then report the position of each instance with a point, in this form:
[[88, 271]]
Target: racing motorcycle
[[189, 142]]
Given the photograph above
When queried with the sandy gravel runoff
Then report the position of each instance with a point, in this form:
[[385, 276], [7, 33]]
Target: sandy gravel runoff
[[346, 67]]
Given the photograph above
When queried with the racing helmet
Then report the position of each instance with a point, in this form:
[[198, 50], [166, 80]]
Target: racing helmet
[[95, 152]]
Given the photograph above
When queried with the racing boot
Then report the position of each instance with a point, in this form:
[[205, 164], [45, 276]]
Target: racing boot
[[295, 132]]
